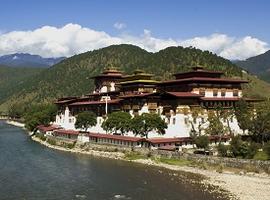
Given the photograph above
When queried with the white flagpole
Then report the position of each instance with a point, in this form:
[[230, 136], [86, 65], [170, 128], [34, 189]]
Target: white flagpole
[[106, 105]]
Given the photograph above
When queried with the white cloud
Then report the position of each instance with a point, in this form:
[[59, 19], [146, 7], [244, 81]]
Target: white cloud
[[119, 25], [49, 41]]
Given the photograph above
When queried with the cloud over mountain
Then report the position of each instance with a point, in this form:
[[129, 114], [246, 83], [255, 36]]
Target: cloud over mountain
[[50, 41]]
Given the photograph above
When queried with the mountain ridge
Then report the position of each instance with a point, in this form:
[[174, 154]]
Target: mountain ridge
[[28, 60], [258, 65]]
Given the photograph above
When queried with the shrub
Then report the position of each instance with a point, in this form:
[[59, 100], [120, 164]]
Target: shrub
[[266, 149], [261, 155], [51, 142], [220, 169], [203, 165], [70, 145], [243, 149], [252, 150], [42, 137], [202, 142], [149, 154], [222, 150], [251, 168]]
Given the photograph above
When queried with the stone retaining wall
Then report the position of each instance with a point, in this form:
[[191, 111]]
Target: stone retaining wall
[[63, 142]]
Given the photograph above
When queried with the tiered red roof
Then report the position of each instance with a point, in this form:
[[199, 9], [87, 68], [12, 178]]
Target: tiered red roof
[[185, 94], [220, 98], [114, 101], [135, 95], [204, 79]]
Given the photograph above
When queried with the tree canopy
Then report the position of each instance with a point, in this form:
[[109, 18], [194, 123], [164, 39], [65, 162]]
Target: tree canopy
[[255, 119], [39, 114], [85, 120], [142, 125], [117, 122]]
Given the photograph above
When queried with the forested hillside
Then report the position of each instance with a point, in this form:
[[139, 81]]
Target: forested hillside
[[258, 65], [12, 78], [73, 75]]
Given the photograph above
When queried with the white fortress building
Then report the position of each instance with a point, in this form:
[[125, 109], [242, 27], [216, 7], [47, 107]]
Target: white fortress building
[[175, 101]]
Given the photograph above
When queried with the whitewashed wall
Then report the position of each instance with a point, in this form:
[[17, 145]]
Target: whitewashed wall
[[179, 125]]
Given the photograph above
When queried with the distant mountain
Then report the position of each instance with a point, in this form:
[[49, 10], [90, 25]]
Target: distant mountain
[[72, 76], [258, 65], [28, 60]]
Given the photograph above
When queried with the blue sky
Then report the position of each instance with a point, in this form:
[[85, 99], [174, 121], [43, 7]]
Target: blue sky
[[176, 20]]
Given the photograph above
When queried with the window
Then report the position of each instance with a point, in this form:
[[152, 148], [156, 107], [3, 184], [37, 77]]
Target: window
[[235, 93], [202, 92], [215, 92], [223, 93]]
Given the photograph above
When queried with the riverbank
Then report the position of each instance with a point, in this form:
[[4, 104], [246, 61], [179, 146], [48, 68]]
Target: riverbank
[[15, 123], [237, 186]]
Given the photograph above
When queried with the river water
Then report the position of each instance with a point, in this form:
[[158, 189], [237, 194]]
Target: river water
[[31, 171]]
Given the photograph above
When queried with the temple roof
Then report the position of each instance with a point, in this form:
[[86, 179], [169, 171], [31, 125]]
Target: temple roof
[[79, 103], [136, 95], [198, 71], [138, 75], [139, 82], [103, 93], [110, 72], [185, 94], [220, 98], [204, 79]]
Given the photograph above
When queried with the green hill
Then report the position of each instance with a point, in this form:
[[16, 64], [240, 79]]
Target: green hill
[[12, 78], [258, 65], [72, 76]]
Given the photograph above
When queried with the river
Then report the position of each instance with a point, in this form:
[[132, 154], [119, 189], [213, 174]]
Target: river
[[30, 171]]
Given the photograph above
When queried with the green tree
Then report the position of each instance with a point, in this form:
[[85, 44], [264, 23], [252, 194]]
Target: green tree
[[243, 115], [259, 126], [222, 150], [117, 121], [202, 142], [227, 115], [39, 114], [196, 120], [215, 127], [147, 122], [266, 149], [137, 125], [85, 120], [16, 110]]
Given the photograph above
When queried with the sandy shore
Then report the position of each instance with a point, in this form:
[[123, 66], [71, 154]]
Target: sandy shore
[[15, 123], [242, 187]]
